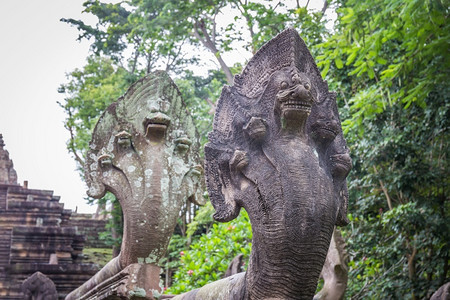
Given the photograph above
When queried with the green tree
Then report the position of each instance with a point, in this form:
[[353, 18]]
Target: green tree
[[88, 93], [389, 62], [134, 34], [208, 256]]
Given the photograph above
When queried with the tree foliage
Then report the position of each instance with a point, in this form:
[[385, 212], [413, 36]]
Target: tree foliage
[[88, 93], [394, 51], [389, 62], [209, 255]]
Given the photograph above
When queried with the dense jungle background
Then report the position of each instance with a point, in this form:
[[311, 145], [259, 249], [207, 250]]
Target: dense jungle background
[[387, 60]]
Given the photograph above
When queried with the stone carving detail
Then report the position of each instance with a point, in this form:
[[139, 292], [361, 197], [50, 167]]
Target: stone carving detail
[[335, 270], [277, 150], [39, 287], [7, 173], [144, 150], [443, 293], [235, 265]]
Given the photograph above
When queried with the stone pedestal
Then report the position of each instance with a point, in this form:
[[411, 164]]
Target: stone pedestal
[[137, 281]]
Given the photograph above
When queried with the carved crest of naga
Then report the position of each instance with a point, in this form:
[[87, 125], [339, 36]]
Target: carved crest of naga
[[144, 150], [277, 150]]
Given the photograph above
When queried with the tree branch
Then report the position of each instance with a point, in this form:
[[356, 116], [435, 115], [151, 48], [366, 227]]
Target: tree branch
[[214, 32], [71, 144], [200, 38], [244, 12], [213, 106], [136, 54], [71, 147], [324, 7], [171, 62], [207, 42], [384, 190]]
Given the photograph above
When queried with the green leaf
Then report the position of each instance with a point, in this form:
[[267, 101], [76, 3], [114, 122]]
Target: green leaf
[[339, 63], [325, 70], [381, 61]]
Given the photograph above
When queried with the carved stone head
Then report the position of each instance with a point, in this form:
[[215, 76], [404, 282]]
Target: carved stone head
[[144, 150], [39, 287]]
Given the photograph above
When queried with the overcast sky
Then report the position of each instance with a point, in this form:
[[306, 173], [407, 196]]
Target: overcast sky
[[35, 53]]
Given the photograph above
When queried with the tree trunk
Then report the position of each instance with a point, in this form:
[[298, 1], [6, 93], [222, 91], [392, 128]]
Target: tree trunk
[[224, 68], [209, 42]]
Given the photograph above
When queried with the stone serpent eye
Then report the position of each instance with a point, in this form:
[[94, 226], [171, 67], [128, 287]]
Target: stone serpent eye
[[307, 86], [182, 144], [284, 85], [124, 139], [105, 160]]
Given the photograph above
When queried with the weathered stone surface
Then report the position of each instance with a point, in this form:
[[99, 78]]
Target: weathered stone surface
[[144, 150], [35, 235], [277, 150], [235, 265], [443, 293], [231, 288], [335, 270], [36, 244], [7, 173], [136, 281], [90, 228], [39, 287]]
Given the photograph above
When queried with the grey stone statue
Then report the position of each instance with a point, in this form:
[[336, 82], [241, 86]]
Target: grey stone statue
[[277, 150], [39, 287], [143, 150], [335, 270]]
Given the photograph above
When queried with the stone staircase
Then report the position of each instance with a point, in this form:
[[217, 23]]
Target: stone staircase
[[5, 245]]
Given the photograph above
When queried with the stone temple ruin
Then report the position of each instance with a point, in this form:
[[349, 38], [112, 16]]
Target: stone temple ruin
[[36, 234]]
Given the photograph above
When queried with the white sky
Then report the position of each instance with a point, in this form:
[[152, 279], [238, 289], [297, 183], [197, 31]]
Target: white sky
[[36, 52]]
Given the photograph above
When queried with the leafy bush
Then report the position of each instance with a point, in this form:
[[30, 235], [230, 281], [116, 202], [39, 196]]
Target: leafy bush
[[208, 256]]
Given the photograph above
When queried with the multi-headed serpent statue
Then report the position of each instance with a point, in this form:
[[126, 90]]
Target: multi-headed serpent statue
[[144, 150], [278, 151]]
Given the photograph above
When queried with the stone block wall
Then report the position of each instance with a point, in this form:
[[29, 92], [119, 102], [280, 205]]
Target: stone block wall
[[90, 228], [36, 235]]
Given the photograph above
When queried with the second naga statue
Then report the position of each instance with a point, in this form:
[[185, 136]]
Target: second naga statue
[[144, 150]]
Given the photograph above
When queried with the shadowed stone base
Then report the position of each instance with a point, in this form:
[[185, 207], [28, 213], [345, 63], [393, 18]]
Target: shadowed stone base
[[137, 281], [65, 277], [230, 288]]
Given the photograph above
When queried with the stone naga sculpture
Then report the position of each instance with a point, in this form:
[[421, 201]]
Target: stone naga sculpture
[[39, 287], [144, 150], [278, 151]]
